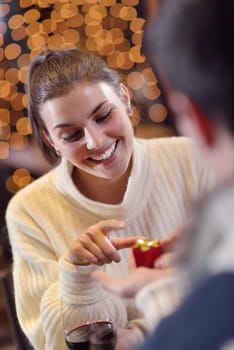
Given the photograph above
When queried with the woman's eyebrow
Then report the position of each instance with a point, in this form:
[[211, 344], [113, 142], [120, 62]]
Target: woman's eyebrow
[[66, 125], [98, 107]]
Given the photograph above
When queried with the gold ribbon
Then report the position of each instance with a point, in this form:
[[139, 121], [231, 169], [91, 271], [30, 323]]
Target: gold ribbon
[[146, 244]]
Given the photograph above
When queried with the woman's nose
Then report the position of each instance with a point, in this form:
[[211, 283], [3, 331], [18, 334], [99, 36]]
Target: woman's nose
[[93, 138]]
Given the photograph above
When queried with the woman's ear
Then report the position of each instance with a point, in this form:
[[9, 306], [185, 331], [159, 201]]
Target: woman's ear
[[190, 120], [125, 97], [49, 141]]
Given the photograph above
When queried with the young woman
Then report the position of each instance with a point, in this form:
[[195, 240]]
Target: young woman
[[106, 189]]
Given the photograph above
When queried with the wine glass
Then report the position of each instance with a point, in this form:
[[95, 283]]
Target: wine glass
[[92, 335], [85, 334]]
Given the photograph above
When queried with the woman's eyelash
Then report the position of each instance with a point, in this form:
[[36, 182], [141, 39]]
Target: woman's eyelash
[[78, 134], [105, 116]]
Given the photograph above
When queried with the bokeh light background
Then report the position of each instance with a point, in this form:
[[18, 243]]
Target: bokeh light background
[[110, 28]]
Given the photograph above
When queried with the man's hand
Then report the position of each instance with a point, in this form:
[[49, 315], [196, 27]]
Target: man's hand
[[127, 339], [130, 285]]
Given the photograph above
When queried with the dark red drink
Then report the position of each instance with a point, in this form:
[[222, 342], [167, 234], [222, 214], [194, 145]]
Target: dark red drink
[[95, 335]]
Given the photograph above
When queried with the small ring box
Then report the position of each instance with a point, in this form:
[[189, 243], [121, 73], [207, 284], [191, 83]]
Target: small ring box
[[146, 251]]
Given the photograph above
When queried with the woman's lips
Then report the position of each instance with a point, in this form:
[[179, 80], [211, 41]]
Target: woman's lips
[[105, 155]]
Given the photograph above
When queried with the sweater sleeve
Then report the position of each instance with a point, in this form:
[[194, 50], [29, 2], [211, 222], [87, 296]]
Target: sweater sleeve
[[157, 300], [41, 283]]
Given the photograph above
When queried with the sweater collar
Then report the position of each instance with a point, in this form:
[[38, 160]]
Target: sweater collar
[[134, 191]]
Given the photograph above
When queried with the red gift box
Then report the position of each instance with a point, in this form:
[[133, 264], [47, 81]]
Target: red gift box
[[146, 251]]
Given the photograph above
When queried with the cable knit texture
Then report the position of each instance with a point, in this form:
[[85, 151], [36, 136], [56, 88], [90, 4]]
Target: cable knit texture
[[156, 300], [45, 217]]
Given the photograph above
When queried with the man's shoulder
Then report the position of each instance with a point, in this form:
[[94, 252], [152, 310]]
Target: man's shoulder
[[207, 313]]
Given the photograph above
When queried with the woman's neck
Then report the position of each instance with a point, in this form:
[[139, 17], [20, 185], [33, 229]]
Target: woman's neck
[[100, 189]]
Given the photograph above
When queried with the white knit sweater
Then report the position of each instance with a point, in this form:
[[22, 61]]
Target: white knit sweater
[[44, 218]]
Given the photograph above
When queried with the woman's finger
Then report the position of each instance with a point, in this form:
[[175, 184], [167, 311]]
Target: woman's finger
[[108, 225]]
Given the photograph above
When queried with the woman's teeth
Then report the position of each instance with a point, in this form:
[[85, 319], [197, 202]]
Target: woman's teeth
[[107, 154]]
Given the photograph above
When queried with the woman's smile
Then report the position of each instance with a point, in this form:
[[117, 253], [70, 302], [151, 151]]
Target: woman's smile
[[105, 155]]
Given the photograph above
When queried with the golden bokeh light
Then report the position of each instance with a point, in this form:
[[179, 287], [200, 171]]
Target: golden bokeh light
[[56, 16], [135, 54], [23, 126], [19, 34], [135, 80], [31, 15], [17, 101], [68, 10], [71, 36], [151, 92], [36, 41], [61, 27], [123, 61], [137, 38], [11, 76], [131, 2], [112, 59], [149, 76], [2, 74], [93, 30], [127, 13], [75, 21], [48, 26], [5, 132], [16, 22], [17, 141], [1, 39], [115, 10], [34, 28], [158, 113], [55, 41], [117, 36], [1, 54], [4, 117], [26, 3], [124, 46], [21, 177], [5, 88], [4, 150], [23, 74], [137, 24], [106, 49], [11, 186], [23, 60], [107, 2], [12, 51]]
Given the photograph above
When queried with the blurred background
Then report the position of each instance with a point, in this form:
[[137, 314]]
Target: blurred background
[[110, 28]]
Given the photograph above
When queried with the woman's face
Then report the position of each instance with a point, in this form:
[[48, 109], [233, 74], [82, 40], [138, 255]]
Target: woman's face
[[90, 126]]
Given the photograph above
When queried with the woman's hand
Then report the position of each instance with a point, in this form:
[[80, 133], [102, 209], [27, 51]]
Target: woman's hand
[[96, 246]]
